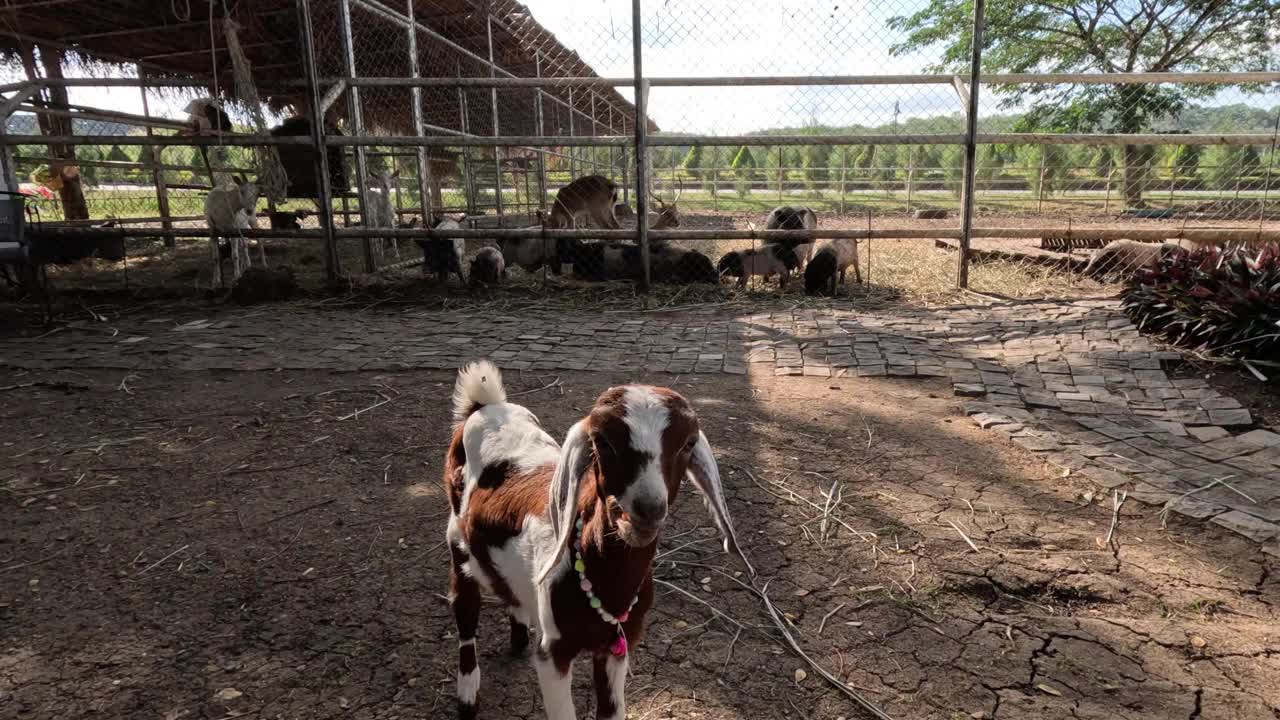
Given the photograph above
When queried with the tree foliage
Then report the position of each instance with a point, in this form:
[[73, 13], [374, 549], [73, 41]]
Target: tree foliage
[[1185, 162], [692, 162], [1101, 36]]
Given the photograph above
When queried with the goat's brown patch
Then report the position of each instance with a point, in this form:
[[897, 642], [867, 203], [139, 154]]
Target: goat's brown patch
[[455, 458], [496, 511]]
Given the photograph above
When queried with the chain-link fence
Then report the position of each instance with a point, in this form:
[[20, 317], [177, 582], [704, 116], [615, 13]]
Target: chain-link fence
[[485, 143]]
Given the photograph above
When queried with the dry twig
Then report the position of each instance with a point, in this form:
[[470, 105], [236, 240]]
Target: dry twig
[[835, 682], [827, 617], [299, 511], [1117, 499], [157, 563], [963, 536]]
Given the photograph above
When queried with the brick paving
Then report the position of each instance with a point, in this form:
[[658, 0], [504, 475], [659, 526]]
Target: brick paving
[[1073, 382]]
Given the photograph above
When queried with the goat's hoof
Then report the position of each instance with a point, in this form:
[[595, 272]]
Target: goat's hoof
[[468, 711]]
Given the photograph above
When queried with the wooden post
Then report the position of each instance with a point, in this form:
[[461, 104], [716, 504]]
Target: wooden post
[[715, 177], [844, 169], [780, 173], [1106, 204], [1040, 185], [157, 175], [911, 178]]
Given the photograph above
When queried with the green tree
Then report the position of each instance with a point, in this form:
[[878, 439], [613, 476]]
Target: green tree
[[1104, 162], [953, 169], [886, 162], [1230, 165], [1046, 167], [865, 161], [1108, 37], [692, 162], [990, 163], [817, 166], [928, 157], [744, 170], [1185, 162], [88, 173]]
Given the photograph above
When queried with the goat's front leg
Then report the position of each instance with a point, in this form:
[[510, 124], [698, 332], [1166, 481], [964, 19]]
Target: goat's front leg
[[464, 596], [609, 675], [556, 685]]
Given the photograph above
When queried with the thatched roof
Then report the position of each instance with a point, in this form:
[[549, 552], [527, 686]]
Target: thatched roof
[[174, 38]]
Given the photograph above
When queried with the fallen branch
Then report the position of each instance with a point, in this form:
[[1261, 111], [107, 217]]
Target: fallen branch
[[385, 399], [45, 559], [1117, 499], [963, 536], [157, 563], [827, 617], [548, 386], [58, 385], [299, 511], [1172, 502], [695, 598], [840, 685]]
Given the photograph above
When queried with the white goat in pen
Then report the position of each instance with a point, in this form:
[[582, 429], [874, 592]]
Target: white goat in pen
[[378, 209], [228, 209]]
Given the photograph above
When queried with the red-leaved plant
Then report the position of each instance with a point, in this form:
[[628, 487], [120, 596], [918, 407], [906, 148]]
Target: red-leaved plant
[[1214, 300]]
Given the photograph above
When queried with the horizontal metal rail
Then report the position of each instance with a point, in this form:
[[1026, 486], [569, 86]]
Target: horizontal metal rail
[[1196, 78], [657, 140], [1254, 234]]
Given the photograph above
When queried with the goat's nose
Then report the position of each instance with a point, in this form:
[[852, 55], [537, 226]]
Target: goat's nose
[[649, 512]]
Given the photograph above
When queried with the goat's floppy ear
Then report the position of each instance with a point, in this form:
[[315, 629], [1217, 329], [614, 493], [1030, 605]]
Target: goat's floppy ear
[[705, 474], [575, 457]]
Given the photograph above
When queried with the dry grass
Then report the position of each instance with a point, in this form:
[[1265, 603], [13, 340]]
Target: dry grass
[[895, 270]]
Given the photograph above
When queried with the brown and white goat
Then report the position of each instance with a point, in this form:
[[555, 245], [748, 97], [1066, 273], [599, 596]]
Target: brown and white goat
[[516, 498]]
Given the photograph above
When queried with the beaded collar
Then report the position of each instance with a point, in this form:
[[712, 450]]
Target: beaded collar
[[619, 646]]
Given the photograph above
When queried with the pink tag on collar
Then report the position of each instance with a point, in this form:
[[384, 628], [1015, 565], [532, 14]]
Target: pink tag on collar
[[619, 646]]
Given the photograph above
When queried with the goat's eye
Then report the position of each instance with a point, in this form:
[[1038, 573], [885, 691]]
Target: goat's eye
[[693, 442]]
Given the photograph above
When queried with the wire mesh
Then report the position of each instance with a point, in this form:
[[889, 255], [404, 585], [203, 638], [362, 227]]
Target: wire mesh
[[886, 156]]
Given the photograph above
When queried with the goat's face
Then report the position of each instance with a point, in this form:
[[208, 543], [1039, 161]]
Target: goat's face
[[248, 191], [643, 438], [642, 441]]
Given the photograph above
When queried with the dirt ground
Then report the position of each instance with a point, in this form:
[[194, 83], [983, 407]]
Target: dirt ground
[[913, 268], [269, 545]]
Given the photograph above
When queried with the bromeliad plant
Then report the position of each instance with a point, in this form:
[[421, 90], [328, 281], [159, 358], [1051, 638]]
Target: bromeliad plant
[[1214, 301]]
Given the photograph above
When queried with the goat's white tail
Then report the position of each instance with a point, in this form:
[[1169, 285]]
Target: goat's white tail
[[479, 384]]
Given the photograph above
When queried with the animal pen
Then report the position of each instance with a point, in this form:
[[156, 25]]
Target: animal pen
[[476, 110]]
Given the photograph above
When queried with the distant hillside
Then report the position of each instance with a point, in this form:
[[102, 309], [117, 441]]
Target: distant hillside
[[1237, 118]]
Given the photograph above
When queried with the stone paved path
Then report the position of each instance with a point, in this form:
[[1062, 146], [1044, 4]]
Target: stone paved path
[[1074, 382]]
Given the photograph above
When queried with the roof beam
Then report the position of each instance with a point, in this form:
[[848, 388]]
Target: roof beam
[[133, 31]]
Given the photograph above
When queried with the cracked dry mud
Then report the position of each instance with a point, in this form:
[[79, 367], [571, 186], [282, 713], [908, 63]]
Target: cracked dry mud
[[205, 545]]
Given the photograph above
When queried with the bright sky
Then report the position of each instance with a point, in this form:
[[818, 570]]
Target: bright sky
[[714, 38], [704, 38]]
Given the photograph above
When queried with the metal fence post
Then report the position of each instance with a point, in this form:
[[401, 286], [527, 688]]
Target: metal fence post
[[493, 101], [424, 162], [356, 117], [325, 200], [542, 152], [970, 146], [642, 144]]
